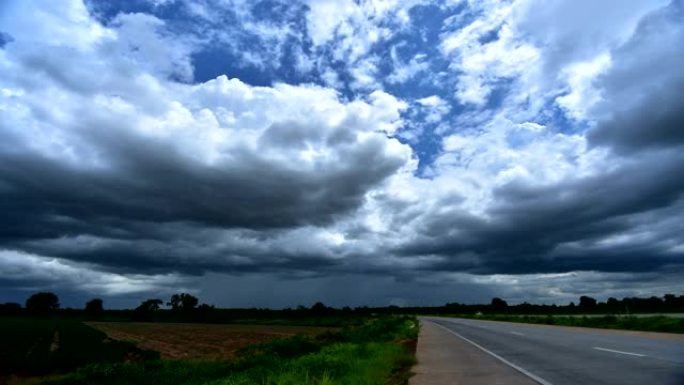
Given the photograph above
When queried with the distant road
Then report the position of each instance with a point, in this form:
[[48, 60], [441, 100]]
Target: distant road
[[556, 355]]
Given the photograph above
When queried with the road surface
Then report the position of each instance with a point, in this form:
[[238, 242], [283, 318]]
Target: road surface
[[464, 351]]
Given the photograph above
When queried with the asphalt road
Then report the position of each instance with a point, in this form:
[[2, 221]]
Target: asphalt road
[[567, 355]]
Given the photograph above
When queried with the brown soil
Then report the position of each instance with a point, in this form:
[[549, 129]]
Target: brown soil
[[206, 341]]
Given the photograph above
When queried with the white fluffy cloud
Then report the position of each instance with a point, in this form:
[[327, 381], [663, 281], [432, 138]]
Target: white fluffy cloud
[[540, 49], [121, 77], [355, 22], [483, 64], [146, 146], [350, 30]]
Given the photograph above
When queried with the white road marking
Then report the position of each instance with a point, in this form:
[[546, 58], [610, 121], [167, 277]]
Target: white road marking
[[498, 357], [517, 333], [620, 352]]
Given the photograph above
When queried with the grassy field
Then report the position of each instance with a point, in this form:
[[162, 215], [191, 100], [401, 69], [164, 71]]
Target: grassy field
[[379, 351], [643, 323], [199, 341]]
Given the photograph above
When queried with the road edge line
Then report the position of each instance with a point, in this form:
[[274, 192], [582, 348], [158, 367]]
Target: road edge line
[[498, 357]]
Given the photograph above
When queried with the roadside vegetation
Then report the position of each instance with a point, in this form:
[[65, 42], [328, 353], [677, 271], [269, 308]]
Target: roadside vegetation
[[39, 346], [183, 341], [380, 351], [189, 343], [649, 323]]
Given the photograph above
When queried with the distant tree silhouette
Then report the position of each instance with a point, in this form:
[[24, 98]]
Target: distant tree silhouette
[[183, 302], [146, 309], [205, 307], [613, 305], [94, 309], [587, 303], [672, 302], [320, 309], [150, 305], [10, 308], [653, 303], [42, 303], [203, 312], [498, 304], [670, 299]]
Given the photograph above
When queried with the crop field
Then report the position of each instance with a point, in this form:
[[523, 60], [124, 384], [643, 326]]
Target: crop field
[[199, 341]]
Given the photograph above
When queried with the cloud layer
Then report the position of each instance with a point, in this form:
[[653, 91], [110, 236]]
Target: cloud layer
[[483, 145]]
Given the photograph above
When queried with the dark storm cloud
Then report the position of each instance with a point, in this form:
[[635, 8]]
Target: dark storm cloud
[[642, 92], [188, 250], [560, 227], [153, 183], [658, 123], [148, 187]]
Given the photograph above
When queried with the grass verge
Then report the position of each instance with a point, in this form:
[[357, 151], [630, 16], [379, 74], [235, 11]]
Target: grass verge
[[651, 324]]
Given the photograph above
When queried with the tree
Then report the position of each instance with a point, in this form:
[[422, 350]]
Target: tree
[[42, 303], [319, 308], [653, 304], [613, 305], [673, 302], [670, 300], [94, 308], [150, 305], [498, 304], [587, 302], [183, 302], [145, 310]]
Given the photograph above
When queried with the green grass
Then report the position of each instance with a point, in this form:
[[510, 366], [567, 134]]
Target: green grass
[[38, 346], [340, 364], [653, 324], [158, 372], [373, 353]]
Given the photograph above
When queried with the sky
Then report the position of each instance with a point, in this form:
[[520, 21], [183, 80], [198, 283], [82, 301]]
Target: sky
[[371, 152]]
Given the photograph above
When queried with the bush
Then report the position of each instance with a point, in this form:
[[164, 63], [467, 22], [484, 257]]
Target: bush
[[31, 346], [42, 303]]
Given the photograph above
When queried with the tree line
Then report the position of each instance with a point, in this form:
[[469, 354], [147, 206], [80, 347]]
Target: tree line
[[187, 307], [669, 303]]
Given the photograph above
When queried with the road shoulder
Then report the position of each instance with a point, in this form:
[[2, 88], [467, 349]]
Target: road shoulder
[[443, 358]]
